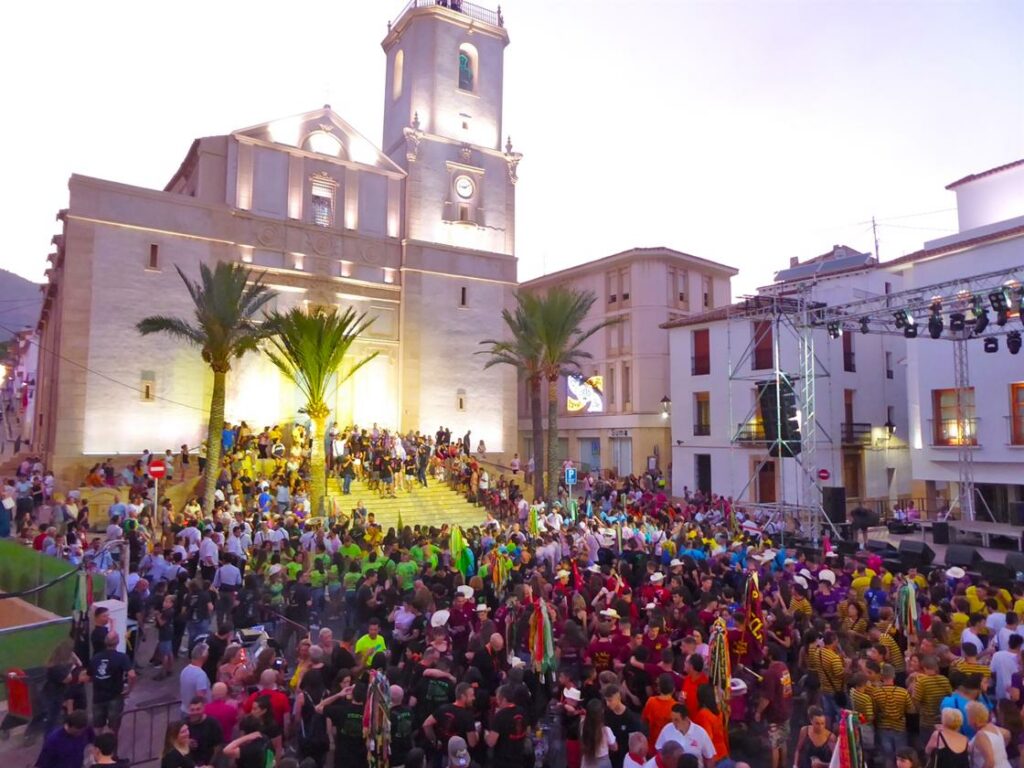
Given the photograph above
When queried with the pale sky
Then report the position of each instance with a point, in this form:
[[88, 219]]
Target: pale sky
[[745, 132]]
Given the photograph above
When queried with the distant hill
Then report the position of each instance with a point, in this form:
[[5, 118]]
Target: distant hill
[[20, 300]]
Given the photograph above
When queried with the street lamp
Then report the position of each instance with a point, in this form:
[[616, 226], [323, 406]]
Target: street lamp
[[890, 428], [666, 406]]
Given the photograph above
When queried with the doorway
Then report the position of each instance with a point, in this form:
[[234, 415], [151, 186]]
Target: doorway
[[702, 472], [622, 455], [852, 474], [766, 483]]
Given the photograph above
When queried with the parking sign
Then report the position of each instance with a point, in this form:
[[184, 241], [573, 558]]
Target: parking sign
[[570, 475]]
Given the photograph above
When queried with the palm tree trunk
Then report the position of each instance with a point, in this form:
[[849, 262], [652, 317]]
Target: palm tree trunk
[[318, 464], [537, 424], [214, 437], [552, 463]]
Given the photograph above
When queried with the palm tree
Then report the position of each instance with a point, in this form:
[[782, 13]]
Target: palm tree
[[309, 348], [226, 300], [523, 354], [560, 314]]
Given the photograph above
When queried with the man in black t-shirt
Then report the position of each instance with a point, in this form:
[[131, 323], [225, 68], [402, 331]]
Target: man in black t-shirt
[[507, 731], [204, 733], [402, 729], [456, 719], [217, 642], [111, 672], [366, 599], [432, 693], [101, 626], [621, 720], [347, 716]]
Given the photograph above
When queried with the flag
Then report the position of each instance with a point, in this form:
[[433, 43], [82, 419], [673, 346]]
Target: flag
[[462, 558], [401, 525], [753, 633], [542, 645], [533, 525], [849, 752], [377, 720], [908, 618], [719, 665]]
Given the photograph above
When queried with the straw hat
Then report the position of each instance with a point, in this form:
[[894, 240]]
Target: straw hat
[[828, 576], [573, 694], [956, 572], [440, 618]]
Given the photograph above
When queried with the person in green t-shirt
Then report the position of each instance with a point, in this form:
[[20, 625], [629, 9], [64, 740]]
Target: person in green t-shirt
[[370, 644], [407, 572]]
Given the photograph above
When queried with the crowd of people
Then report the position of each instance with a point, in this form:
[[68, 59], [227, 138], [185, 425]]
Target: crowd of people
[[615, 629]]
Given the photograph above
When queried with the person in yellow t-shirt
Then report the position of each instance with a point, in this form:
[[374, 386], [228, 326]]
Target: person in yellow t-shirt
[[958, 621], [976, 598]]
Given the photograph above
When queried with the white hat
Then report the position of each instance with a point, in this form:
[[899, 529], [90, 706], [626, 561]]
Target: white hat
[[274, 570], [805, 573], [573, 694], [482, 607], [610, 613], [828, 576], [801, 581], [736, 685], [563, 574], [465, 590], [831, 554], [651, 607], [656, 577], [594, 568], [440, 618], [675, 561], [789, 561], [956, 572]]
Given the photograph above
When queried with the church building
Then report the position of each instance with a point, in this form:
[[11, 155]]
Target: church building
[[418, 233]]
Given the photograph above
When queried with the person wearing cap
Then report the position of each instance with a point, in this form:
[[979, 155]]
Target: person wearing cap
[[571, 709]]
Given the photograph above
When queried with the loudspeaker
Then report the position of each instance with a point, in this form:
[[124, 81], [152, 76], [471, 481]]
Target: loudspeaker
[[778, 415], [963, 555], [847, 548], [916, 553], [995, 572], [1015, 561], [833, 501], [882, 548], [940, 533]]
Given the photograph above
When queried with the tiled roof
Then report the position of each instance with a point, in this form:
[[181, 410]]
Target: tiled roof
[[983, 174], [960, 245]]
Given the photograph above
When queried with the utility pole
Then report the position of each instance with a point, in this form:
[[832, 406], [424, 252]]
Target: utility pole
[[874, 231]]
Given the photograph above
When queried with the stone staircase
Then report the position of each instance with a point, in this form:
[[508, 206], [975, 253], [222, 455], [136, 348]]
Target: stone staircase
[[434, 505]]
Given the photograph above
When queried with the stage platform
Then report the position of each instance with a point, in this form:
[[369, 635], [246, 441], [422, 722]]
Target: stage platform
[[986, 552]]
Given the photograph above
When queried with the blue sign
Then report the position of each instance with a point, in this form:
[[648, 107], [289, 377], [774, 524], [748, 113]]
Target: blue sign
[[570, 476]]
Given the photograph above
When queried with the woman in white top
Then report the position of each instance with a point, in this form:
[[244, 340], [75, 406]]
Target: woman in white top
[[988, 747], [596, 738]]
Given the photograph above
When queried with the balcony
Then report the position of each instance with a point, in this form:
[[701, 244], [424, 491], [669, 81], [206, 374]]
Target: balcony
[[751, 432], [946, 433], [856, 433], [700, 365], [494, 18], [701, 430]]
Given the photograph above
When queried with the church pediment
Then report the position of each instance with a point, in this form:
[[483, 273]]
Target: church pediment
[[322, 132]]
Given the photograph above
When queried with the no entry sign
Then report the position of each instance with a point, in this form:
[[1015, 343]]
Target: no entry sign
[[824, 474], [157, 469]]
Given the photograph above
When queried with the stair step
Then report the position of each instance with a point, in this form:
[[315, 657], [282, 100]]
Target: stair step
[[433, 505]]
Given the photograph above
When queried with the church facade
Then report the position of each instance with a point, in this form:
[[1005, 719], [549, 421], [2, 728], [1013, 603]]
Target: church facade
[[418, 233]]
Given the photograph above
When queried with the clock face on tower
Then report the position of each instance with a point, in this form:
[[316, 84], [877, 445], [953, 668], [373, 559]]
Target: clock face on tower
[[464, 187]]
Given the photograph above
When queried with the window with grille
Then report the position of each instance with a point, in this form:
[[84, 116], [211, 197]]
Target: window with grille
[[323, 204]]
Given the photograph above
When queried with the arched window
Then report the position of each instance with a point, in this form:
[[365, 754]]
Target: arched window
[[396, 76], [323, 143], [467, 67]]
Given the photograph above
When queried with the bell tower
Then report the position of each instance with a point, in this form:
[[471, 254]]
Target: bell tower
[[445, 67]]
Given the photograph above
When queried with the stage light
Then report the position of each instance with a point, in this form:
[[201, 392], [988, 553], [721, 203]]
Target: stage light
[[980, 322], [991, 345], [835, 330], [864, 328], [998, 300], [903, 318], [1020, 303], [910, 331], [1013, 342], [935, 326], [957, 322]]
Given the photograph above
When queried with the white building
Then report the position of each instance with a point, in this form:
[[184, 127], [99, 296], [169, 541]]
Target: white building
[[718, 419], [419, 234], [991, 237], [612, 417]]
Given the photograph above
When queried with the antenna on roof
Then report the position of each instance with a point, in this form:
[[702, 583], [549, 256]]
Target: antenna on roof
[[874, 231]]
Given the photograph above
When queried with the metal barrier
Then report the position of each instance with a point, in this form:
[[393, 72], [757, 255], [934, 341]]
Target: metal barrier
[[141, 737]]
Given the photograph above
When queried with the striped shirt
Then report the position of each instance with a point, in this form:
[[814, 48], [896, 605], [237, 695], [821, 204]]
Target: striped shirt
[[800, 606], [892, 704], [863, 704], [929, 691], [829, 667], [893, 652], [971, 667]]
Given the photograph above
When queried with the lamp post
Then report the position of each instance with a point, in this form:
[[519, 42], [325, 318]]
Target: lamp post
[[666, 406]]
